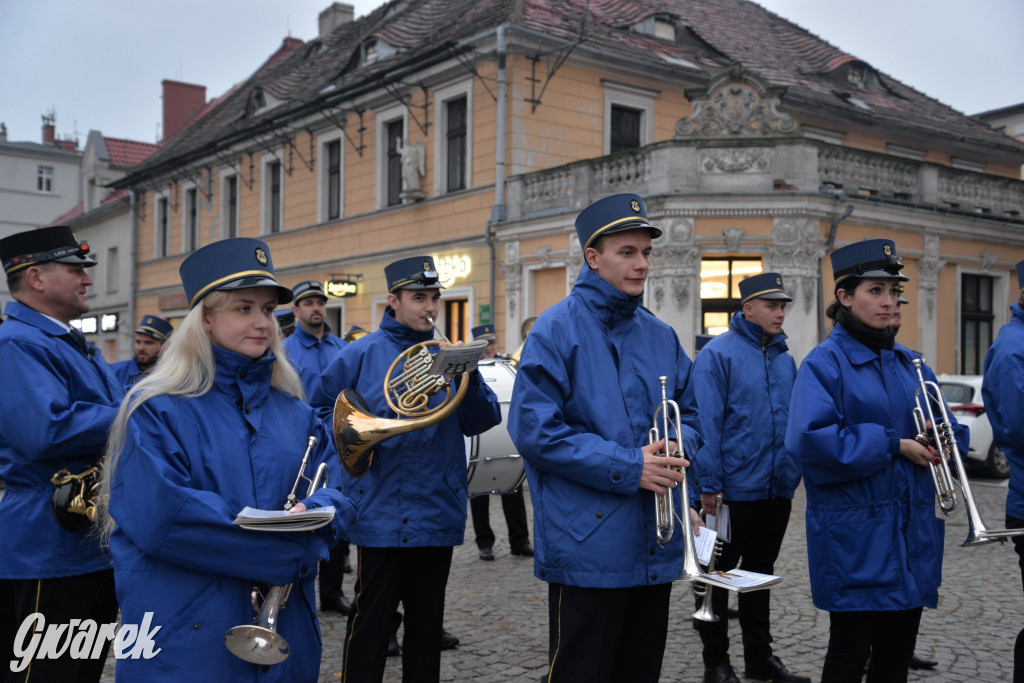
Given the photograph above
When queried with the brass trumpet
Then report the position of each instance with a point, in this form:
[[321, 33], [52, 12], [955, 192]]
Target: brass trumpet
[[664, 513], [703, 591], [356, 431], [938, 433], [73, 502], [259, 642]]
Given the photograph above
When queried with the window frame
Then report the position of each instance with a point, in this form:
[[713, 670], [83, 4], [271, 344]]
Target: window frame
[[44, 179], [226, 226], [268, 215], [190, 204], [385, 117], [442, 97], [161, 223], [964, 317], [729, 304], [631, 97], [323, 176]]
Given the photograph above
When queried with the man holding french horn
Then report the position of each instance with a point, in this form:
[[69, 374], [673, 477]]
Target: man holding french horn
[[59, 399], [410, 490], [594, 370]]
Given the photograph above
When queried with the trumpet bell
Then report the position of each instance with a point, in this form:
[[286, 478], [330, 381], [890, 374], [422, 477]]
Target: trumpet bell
[[257, 644], [705, 612]]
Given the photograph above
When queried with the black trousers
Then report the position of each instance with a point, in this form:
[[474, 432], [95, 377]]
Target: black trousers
[[89, 596], [1018, 648], [417, 578], [332, 573], [514, 506], [887, 637], [607, 634], [758, 527]]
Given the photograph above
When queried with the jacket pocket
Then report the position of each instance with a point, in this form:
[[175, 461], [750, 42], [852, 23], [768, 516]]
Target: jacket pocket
[[864, 550], [593, 516]]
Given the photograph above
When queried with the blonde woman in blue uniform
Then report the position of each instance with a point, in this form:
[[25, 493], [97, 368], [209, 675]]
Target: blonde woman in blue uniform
[[218, 425], [874, 543]]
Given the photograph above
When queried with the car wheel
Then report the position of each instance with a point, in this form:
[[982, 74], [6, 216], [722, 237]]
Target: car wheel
[[997, 466]]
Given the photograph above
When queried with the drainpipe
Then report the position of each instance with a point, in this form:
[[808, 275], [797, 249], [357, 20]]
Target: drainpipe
[[499, 212], [829, 244], [132, 269]]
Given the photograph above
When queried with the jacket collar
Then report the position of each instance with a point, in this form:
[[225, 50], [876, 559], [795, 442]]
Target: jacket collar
[[1017, 313], [30, 316], [305, 338], [234, 368], [400, 333], [608, 304], [754, 333], [858, 352]]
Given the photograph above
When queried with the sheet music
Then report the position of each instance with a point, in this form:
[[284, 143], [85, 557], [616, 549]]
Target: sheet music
[[740, 580], [705, 544], [282, 520], [721, 523], [454, 360]]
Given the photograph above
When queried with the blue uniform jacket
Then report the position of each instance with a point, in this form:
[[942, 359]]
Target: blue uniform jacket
[[743, 389], [127, 372], [414, 493], [311, 356], [188, 467], [1003, 392], [873, 539], [56, 407], [582, 405]]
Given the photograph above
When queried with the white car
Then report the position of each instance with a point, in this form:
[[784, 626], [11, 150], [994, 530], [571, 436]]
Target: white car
[[963, 394]]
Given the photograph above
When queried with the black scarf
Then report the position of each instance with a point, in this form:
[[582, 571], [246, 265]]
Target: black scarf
[[876, 340]]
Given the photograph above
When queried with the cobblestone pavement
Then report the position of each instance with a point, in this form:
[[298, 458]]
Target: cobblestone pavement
[[498, 610]]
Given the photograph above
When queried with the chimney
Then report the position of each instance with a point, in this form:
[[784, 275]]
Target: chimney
[[68, 144], [49, 128], [3, 132], [182, 101], [334, 16]]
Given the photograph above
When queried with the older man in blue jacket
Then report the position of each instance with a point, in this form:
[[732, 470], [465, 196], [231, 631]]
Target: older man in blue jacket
[[583, 402], [1003, 390], [744, 379], [58, 402], [411, 501]]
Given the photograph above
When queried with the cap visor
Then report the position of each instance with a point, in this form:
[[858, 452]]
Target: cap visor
[[78, 260], [775, 296], [284, 295], [881, 274], [634, 225], [417, 285]]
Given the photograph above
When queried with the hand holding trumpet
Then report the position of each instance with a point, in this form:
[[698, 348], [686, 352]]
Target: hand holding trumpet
[[659, 474]]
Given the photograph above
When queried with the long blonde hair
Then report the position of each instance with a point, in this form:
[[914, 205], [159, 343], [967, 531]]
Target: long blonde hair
[[186, 368]]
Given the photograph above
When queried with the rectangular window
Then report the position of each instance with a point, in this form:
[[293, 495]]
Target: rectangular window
[[394, 166], [976, 321], [274, 203], [720, 289], [456, 144], [191, 219], [112, 270], [163, 236], [625, 128], [334, 180], [44, 179], [456, 319], [231, 201]]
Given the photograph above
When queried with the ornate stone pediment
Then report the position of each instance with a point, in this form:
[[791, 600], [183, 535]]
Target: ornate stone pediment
[[736, 103]]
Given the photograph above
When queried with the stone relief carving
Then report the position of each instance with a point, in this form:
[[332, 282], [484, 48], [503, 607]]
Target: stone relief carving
[[677, 230], [733, 238], [676, 268], [758, 160], [573, 263], [735, 103], [795, 252], [988, 260], [928, 268], [544, 255]]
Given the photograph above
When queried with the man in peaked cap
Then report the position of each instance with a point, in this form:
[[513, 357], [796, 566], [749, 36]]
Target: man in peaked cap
[[750, 470], [512, 504], [59, 401], [1003, 391], [411, 500], [150, 336], [589, 381], [310, 349], [286, 321]]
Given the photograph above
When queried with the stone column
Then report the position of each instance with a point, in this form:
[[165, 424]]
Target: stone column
[[928, 268], [673, 284], [795, 253], [512, 270]]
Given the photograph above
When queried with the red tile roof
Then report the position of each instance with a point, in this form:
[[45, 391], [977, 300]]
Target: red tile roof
[[711, 35], [127, 153]]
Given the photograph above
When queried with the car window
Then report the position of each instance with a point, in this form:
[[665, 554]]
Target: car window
[[957, 393]]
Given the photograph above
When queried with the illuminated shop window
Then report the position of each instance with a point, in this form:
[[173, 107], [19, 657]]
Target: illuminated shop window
[[720, 289]]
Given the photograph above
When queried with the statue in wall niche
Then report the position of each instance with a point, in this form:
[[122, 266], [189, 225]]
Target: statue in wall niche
[[413, 159]]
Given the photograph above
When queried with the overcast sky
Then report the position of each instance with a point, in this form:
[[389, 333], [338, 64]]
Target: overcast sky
[[98, 63]]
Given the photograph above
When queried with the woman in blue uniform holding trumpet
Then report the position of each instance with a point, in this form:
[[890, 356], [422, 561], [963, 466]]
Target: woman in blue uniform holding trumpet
[[873, 539], [219, 425]]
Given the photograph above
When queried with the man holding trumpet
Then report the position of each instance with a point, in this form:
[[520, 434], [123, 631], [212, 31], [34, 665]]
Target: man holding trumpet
[[584, 397], [411, 501]]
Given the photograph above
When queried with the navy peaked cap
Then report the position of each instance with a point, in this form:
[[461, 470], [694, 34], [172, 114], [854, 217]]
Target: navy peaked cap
[[235, 263], [155, 327], [44, 245], [484, 332], [415, 272], [610, 215], [701, 341], [763, 286], [869, 258], [307, 289], [1020, 274], [285, 319]]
